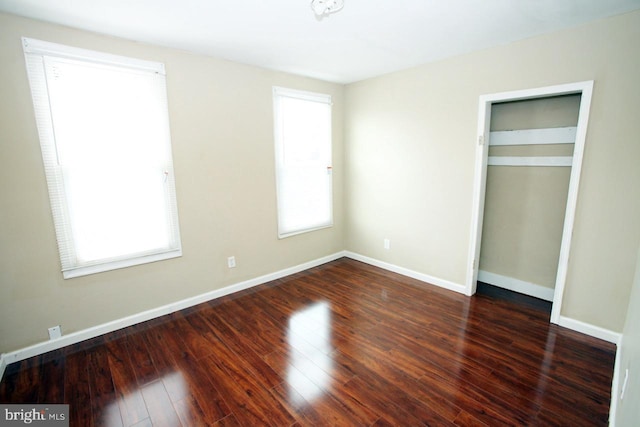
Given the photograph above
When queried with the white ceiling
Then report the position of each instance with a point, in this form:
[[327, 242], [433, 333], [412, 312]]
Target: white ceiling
[[365, 39]]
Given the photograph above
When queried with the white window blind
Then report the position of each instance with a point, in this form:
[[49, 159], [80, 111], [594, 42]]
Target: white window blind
[[303, 160], [104, 132]]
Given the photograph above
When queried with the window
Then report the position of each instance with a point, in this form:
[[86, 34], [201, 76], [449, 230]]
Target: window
[[303, 161], [104, 132]]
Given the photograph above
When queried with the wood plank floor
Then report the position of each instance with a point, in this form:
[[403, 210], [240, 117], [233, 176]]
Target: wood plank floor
[[340, 344]]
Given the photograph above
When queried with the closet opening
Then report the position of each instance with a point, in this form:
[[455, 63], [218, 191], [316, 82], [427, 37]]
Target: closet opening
[[528, 161]]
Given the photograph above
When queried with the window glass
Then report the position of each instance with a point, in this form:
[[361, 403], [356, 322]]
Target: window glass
[[104, 134], [303, 161]]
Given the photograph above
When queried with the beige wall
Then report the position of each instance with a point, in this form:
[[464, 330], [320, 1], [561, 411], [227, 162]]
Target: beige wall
[[223, 150], [628, 410], [411, 142], [409, 175], [525, 206]]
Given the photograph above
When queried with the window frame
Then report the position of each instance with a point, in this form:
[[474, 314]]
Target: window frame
[[322, 98], [35, 52]]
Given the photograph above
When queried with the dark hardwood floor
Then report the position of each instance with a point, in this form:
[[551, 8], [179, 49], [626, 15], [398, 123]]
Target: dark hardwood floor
[[514, 297], [340, 344]]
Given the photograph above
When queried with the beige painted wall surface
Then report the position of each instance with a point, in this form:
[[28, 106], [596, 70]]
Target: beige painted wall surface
[[412, 143], [525, 206], [523, 220], [222, 135], [628, 410], [553, 112]]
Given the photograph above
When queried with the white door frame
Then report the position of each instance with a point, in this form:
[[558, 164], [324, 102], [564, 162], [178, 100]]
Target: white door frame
[[480, 178]]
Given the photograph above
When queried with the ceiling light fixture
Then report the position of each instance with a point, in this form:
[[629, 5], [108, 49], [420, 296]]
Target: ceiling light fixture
[[324, 8]]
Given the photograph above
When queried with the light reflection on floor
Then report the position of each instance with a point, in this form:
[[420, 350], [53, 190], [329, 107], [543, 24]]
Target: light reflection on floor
[[175, 384], [128, 402], [309, 337]]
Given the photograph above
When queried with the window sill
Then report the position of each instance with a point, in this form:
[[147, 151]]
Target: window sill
[[124, 263]]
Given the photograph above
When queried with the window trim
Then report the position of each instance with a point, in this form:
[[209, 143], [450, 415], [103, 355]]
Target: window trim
[[322, 98], [35, 52]]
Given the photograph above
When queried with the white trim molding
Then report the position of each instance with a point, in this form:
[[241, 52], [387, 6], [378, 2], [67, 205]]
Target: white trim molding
[[95, 331], [442, 283], [615, 384], [516, 285], [585, 89], [589, 329]]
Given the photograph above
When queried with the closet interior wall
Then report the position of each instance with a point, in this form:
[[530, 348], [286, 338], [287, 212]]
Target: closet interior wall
[[525, 205]]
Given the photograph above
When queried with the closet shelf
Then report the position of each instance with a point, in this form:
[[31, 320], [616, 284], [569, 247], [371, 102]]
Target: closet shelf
[[563, 135], [530, 161]]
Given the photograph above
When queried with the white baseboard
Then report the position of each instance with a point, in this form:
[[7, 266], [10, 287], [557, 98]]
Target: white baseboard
[[76, 337], [615, 385], [589, 329], [546, 294], [406, 272], [516, 285]]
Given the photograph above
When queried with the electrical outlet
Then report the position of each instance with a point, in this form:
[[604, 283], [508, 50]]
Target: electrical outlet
[[231, 262], [387, 244], [55, 332]]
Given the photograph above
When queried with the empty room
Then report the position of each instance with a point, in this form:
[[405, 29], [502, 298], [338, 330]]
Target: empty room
[[320, 212]]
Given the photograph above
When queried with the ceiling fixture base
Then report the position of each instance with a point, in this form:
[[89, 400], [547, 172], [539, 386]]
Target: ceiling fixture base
[[323, 8]]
